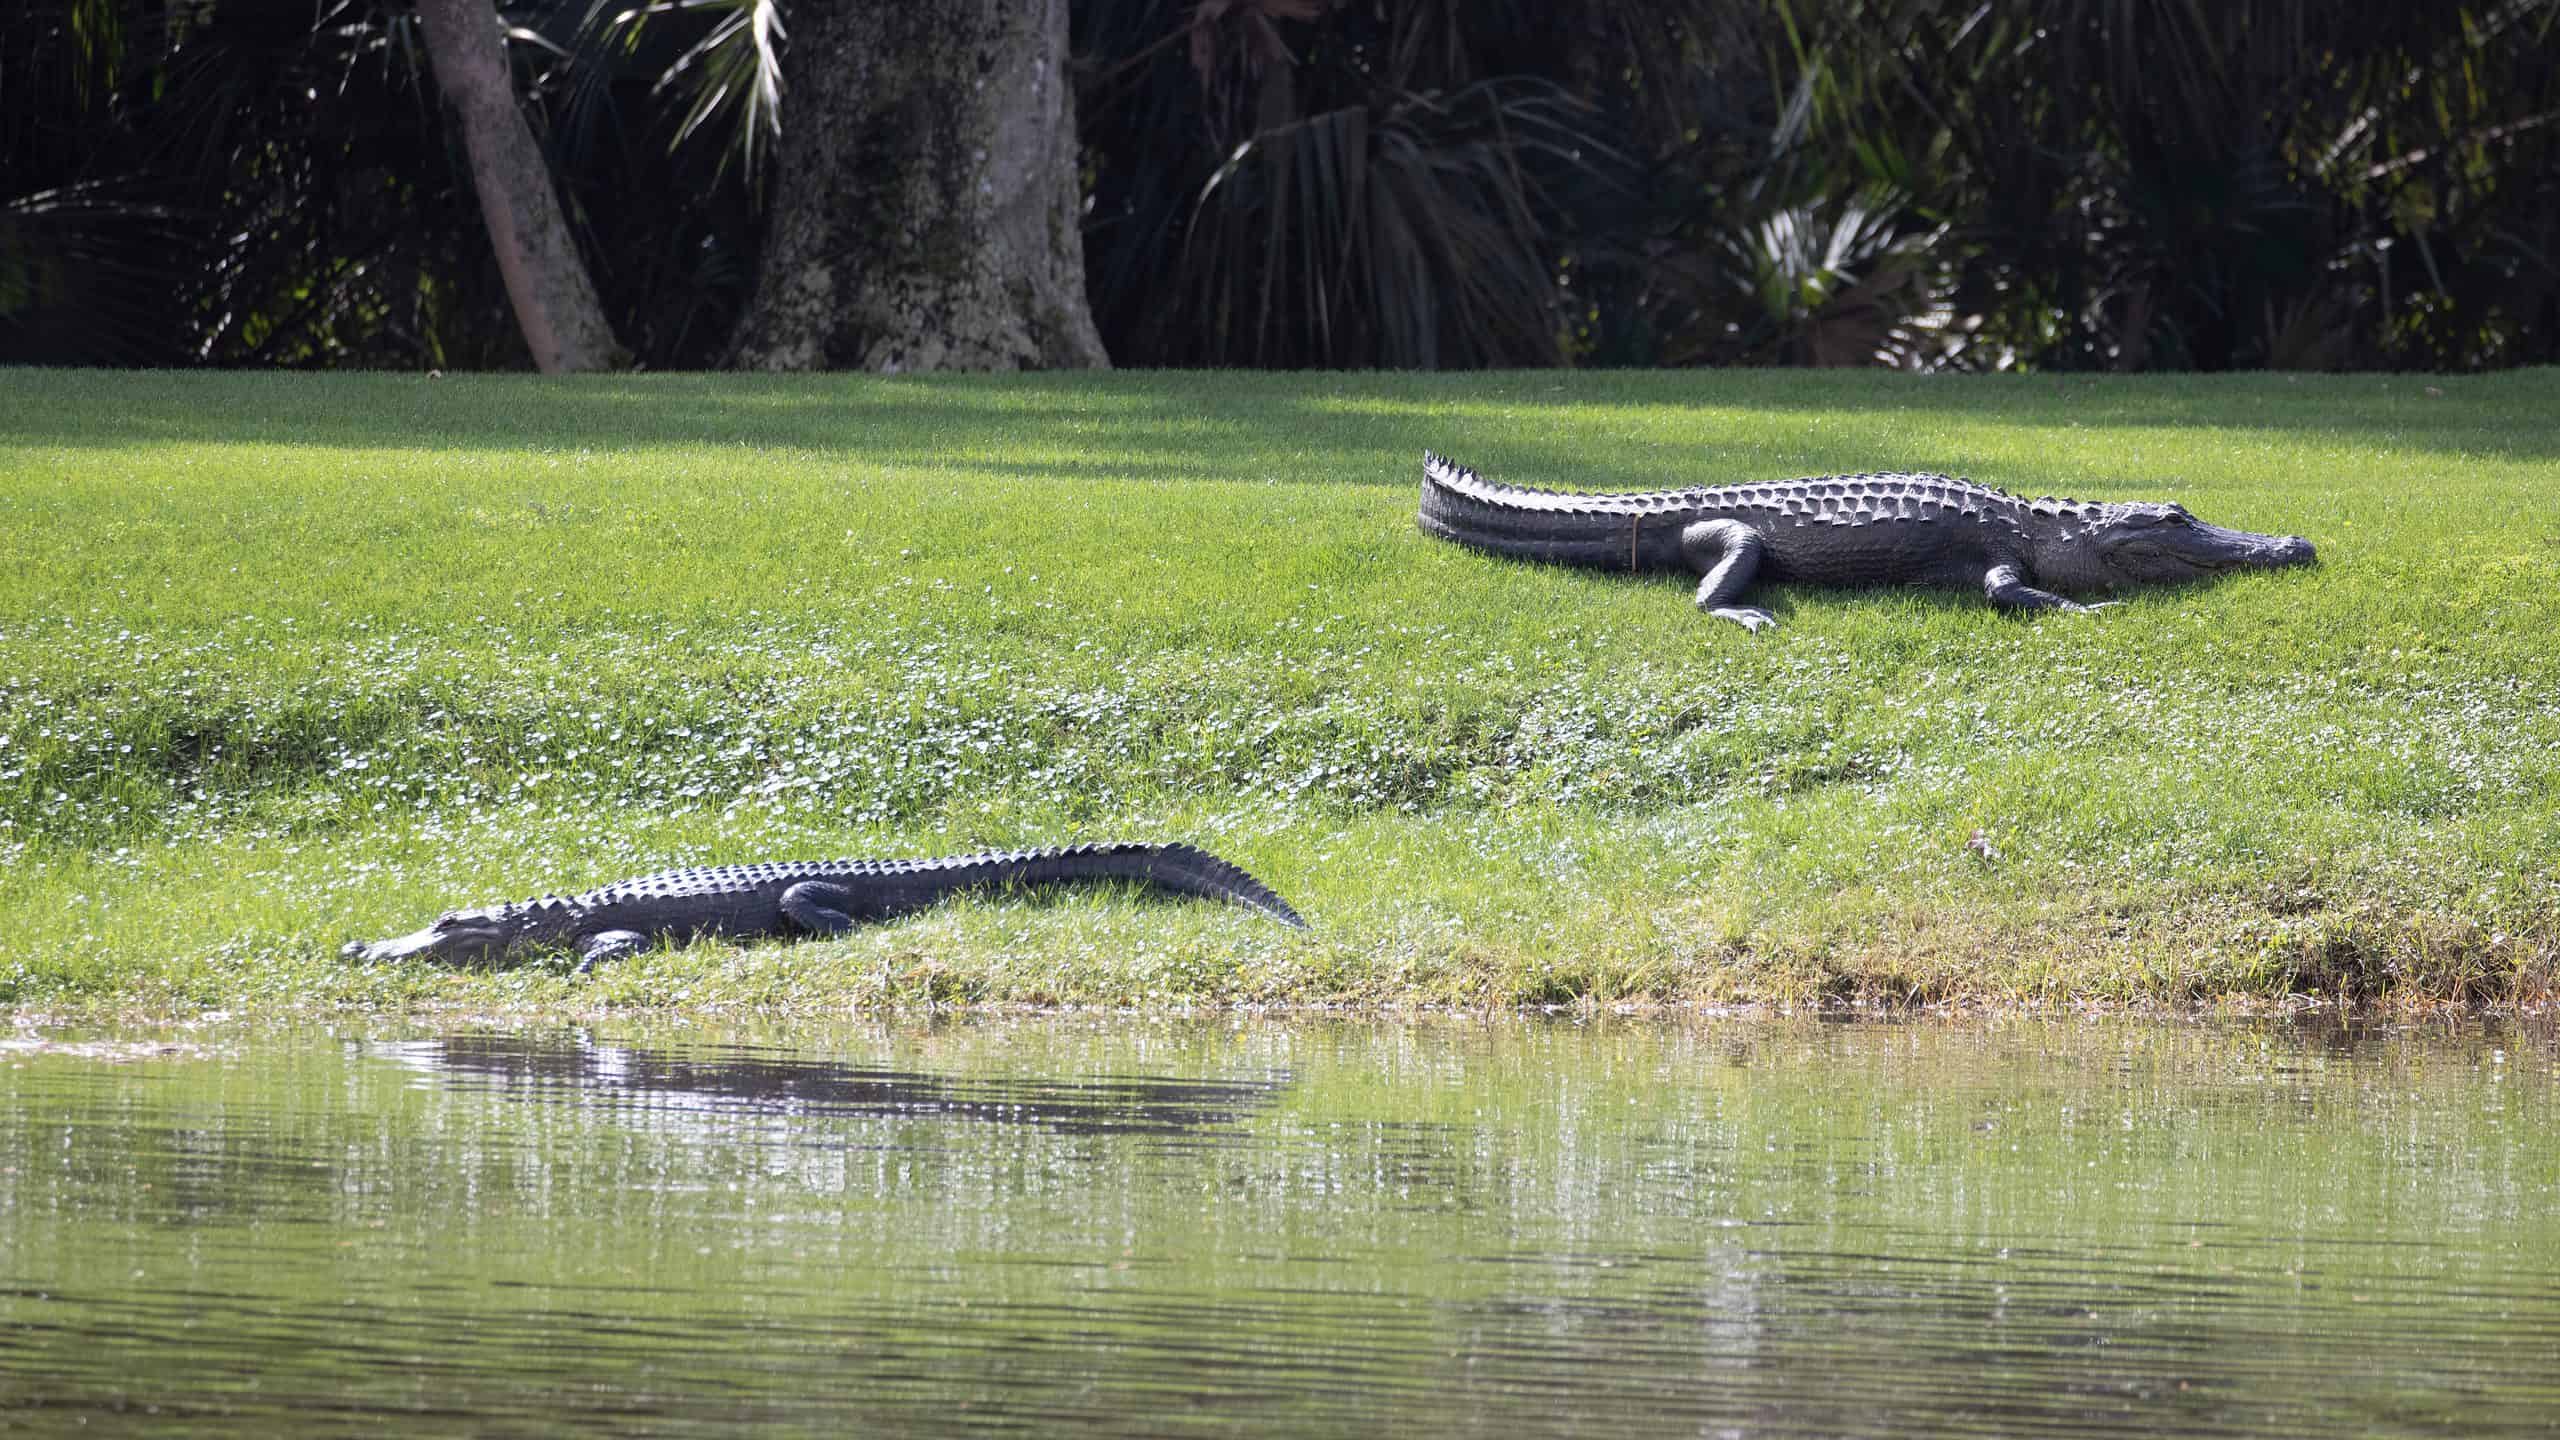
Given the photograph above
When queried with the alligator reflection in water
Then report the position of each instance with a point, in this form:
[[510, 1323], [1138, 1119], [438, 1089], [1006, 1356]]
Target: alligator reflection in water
[[572, 1065], [2053, 1227]]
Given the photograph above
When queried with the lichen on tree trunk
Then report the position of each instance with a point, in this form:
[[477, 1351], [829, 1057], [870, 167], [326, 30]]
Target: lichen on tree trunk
[[925, 202]]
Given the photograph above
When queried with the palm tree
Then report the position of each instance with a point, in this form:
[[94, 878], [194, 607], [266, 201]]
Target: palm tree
[[555, 303]]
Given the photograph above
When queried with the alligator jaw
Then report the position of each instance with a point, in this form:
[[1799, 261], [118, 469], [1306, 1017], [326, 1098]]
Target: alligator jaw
[[2210, 548], [398, 947], [446, 940], [2196, 549]]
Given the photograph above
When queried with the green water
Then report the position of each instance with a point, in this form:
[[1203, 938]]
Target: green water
[[1145, 1226]]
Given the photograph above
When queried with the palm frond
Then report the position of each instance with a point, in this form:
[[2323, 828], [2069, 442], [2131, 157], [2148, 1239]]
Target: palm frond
[[732, 80], [1408, 235]]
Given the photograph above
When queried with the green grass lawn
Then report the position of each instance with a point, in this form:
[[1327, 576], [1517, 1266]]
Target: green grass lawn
[[287, 660]]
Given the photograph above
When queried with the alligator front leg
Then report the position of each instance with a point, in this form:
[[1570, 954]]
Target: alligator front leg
[[1727, 554], [608, 945], [818, 907], [2003, 586]]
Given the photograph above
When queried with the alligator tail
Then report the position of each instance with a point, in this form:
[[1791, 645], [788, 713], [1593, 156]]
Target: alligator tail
[[1174, 869], [1601, 530]]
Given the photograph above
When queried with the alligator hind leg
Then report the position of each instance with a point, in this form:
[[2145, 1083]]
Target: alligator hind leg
[[1727, 554], [818, 907]]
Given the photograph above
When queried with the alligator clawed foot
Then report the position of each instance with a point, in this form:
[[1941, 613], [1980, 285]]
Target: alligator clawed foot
[[1749, 617]]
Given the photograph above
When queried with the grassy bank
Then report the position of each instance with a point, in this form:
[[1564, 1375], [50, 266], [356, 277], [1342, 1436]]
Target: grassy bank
[[286, 660]]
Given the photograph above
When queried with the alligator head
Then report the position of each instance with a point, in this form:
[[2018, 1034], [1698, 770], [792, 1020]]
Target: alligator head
[[2127, 543], [460, 937]]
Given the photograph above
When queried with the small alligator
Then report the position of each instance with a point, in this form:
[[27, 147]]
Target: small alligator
[[810, 897], [1888, 529]]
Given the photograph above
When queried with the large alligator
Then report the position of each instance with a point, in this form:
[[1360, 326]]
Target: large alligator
[[812, 897], [1888, 529]]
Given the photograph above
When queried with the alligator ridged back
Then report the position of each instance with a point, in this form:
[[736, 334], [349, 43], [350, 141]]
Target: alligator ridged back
[[1179, 869], [1620, 530]]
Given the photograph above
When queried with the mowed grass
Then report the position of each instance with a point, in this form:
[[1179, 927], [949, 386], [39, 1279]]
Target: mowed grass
[[288, 660]]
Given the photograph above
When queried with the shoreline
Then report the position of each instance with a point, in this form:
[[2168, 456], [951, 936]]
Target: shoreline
[[288, 660]]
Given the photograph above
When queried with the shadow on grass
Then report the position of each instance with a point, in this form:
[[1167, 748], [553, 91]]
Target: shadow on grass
[[1299, 428], [1788, 600]]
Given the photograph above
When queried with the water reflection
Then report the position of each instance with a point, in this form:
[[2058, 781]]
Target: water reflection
[[750, 1080], [1139, 1227]]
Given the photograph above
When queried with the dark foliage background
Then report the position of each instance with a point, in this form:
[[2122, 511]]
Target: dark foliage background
[[2058, 184]]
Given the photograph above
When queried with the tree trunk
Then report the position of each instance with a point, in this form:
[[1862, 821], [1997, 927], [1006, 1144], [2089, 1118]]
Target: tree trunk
[[555, 302], [925, 201]]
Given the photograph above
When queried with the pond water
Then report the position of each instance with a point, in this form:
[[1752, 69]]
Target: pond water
[[1160, 1226]]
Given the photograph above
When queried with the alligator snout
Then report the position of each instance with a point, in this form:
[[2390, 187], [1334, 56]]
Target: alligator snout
[[2212, 547], [398, 947], [434, 941]]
